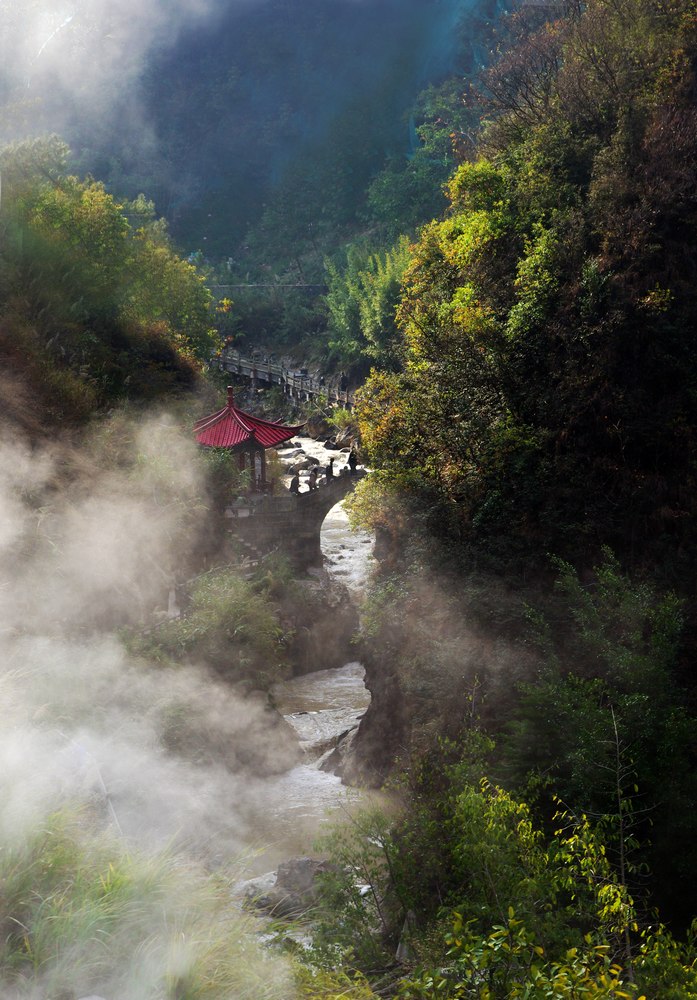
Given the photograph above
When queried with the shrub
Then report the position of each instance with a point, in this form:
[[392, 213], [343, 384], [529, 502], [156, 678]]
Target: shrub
[[82, 915], [228, 625]]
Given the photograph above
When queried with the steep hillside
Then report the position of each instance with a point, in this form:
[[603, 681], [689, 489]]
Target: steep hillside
[[95, 305]]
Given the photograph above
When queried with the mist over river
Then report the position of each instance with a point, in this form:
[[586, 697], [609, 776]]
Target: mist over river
[[320, 707], [140, 756], [85, 721]]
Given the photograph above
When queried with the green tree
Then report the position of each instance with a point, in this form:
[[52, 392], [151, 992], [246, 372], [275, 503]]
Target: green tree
[[362, 301], [605, 719], [547, 318], [99, 307]]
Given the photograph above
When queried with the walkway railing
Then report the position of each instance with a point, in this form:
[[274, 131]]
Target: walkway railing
[[296, 383]]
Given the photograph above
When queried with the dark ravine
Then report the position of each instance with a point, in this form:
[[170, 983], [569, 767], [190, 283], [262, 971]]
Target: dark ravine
[[324, 707]]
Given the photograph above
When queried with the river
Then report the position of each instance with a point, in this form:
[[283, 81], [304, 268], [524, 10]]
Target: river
[[320, 707], [111, 718]]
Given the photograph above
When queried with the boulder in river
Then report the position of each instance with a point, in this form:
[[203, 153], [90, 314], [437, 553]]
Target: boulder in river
[[324, 626], [305, 463], [333, 759], [295, 890]]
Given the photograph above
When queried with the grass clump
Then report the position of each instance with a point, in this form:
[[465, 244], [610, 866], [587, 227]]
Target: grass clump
[[82, 916]]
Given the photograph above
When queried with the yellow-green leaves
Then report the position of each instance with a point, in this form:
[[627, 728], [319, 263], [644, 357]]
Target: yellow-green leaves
[[535, 283], [478, 186]]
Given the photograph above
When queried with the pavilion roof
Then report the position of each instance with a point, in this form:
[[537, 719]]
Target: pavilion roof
[[232, 427]]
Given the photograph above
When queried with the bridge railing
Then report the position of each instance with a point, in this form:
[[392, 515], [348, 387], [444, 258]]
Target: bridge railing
[[294, 383]]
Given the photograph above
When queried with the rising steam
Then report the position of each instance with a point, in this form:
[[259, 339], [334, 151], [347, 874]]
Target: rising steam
[[87, 728], [75, 564], [87, 43]]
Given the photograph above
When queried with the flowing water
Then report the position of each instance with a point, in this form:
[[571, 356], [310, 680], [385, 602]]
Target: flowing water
[[347, 554], [320, 707]]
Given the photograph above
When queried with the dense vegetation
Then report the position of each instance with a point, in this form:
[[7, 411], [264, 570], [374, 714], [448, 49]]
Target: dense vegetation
[[95, 305], [546, 400], [529, 409], [78, 909], [537, 428]]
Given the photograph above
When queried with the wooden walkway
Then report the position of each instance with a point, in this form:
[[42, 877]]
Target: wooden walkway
[[296, 383]]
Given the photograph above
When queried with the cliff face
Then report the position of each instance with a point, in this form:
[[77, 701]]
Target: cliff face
[[444, 655], [322, 622], [383, 734]]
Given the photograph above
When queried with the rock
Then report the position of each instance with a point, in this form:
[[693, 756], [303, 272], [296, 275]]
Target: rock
[[323, 625], [255, 891], [334, 760], [295, 890], [238, 729], [383, 732], [344, 436], [405, 952]]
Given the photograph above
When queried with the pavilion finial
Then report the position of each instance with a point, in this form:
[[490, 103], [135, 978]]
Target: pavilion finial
[[230, 396]]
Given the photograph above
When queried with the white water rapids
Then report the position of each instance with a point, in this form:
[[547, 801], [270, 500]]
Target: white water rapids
[[320, 706]]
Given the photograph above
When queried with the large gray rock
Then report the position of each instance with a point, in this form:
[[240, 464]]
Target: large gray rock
[[295, 890], [334, 759], [305, 463]]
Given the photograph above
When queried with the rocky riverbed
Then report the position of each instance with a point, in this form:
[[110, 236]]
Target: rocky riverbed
[[324, 708]]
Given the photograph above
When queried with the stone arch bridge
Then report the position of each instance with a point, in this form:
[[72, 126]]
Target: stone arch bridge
[[291, 522]]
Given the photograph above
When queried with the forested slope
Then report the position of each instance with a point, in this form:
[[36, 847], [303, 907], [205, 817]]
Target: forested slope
[[535, 452], [530, 417], [95, 305], [546, 401]]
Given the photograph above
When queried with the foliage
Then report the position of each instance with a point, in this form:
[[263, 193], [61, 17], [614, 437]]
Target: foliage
[[668, 966], [487, 903], [362, 299], [323, 984], [224, 478], [229, 623], [82, 915], [606, 717], [360, 912], [538, 916], [371, 174], [342, 419], [545, 403], [508, 963], [410, 192], [92, 287], [432, 828], [566, 888]]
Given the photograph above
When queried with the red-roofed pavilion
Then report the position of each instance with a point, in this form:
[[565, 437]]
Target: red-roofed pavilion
[[245, 435]]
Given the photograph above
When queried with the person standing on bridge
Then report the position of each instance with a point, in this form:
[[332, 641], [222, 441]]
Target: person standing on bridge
[[312, 481], [353, 461], [329, 472]]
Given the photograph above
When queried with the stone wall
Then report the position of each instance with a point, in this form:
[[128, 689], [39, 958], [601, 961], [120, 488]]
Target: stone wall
[[290, 522]]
